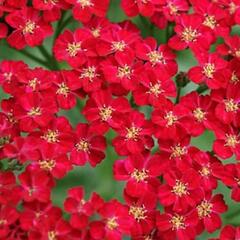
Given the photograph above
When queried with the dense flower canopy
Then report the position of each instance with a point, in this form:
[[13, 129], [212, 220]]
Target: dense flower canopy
[[122, 81]]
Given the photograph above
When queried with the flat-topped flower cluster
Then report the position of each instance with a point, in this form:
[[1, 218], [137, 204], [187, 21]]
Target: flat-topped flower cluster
[[170, 185]]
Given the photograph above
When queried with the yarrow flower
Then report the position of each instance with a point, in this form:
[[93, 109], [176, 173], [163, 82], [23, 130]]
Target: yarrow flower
[[119, 119]]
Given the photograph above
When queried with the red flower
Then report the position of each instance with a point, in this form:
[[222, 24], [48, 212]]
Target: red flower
[[140, 172], [230, 176], [142, 213], [207, 166], [211, 71], [97, 26], [167, 118], [83, 10], [67, 84], [3, 30], [73, 47], [30, 28], [9, 71], [173, 8], [208, 212], [132, 8], [230, 46], [190, 33], [52, 226], [34, 110], [51, 8], [79, 208], [22, 149], [35, 80], [36, 185], [227, 142], [181, 191], [199, 115], [9, 191], [230, 232], [33, 212], [88, 146], [104, 111], [57, 134], [177, 226], [53, 162], [90, 76], [153, 90], [214, 17], [123, 69], [8, 216], [228, 107], [158, 57], [176, 152], [134, 134], [116, 218], [116, 40]]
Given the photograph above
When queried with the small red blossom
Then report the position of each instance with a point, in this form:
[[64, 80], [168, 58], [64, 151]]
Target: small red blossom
[[30, 28], [88, 146]]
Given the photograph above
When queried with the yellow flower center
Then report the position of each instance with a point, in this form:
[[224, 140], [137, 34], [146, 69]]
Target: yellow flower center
[[189, 34], [204, 209], [173, 8], [29, 27], [53, 2], [210, 21], [156, 57], [63, 89], [234, 79], [170, 118], [118, 46], [208, 70], [124, 71], [33, 83], [133, 133], [231, 105], [205, 171], [85, 3], [112, 223], [106, 113], [51, 136], [89, 72], [73, 48], [178, 151], [96, 32], [83, 145], [47, 164], [199, 114], [52, 235], [139, 175], [139, 213], [232, 8], [178, 222], [155, 89], [180, 189], [231, 140], [35, 111], [3, 221], [8, 76]]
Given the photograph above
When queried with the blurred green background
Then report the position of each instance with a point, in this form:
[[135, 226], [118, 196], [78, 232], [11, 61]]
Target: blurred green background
[[100, 179]]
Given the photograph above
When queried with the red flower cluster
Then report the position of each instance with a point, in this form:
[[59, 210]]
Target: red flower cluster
[[132, 87]]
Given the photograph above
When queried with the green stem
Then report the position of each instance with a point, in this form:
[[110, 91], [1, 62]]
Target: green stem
[[179, 89], [202, 88], [60, 28], [49, 58], [34, 58]]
